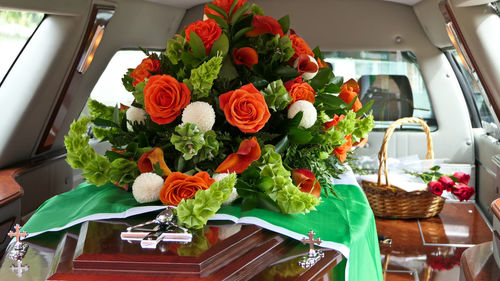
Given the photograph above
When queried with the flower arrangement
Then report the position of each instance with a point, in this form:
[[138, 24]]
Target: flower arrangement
[[237, 106], [457, 183]]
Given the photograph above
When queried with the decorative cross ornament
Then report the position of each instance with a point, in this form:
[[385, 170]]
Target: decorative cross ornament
[[165, 230], [20, 268], [18, 234], [313, 255]]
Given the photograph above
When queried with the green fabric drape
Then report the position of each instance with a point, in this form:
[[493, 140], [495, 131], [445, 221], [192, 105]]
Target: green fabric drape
[[345, 223]]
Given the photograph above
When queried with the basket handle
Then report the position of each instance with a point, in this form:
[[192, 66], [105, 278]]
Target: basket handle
[[382, 155]]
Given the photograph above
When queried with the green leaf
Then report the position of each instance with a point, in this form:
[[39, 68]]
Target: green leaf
[[299, 136], [232, 8], [285, 23], [276, 96], [324, 76], [338, 80], [332, 88], [157, 169], [242, 32], [104, 123], [220, 21], [330, 101], [237, 15], [295, 121], [220, 45], [364, 109], [218, 9], [286, 71], [256, 10], [282, 144], [116, 114], [317, 53], [197, 45], [189, 59], [265, 183], [249, 203]]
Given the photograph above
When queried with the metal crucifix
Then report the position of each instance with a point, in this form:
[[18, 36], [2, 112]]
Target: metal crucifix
[[314, 255]]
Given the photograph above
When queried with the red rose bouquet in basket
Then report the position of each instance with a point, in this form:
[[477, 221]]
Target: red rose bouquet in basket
[[237, 106], [456, 184]]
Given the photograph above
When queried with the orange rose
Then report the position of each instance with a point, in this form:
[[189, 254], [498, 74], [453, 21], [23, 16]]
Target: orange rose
[[164, 98], [300, 47], [180, 186], [238, 162], [348, 92], [208, 30], [245, 56], [144, 70], [305, 180], [341, 151], [265, 24], [299, 90], [245, 108], [225, 5]]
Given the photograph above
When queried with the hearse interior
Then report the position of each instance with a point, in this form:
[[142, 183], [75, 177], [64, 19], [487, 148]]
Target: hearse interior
[[436, 60]]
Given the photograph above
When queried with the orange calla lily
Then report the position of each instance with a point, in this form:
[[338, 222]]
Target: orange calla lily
[[348, 92], [148, 159], [238, 162], [305, 180]]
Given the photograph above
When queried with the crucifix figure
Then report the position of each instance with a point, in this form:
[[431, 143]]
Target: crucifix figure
[[20, 268], [311, 241], [18, 234]]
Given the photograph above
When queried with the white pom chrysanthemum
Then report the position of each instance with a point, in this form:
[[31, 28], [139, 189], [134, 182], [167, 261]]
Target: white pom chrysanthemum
[[146, 187], [310, 114], [200, 113], [135, 114], [307, 75]]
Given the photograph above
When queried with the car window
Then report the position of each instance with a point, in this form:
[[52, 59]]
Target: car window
[[481, 104], [15, 30], [392, 79]]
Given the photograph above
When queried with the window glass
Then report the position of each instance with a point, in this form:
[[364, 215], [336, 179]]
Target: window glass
[[15, 30], [109, 89], [391, 79], [480, 100]]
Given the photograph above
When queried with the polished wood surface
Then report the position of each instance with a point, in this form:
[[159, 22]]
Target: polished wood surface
[[478, 264], [458, 223], [430, 249], [51, 256]]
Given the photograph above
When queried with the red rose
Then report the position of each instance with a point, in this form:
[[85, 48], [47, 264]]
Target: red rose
[[462, 177], [225, 5], [208, 30], [264, 24], [164, 98], [435, 188], [447, 182], [463, 191], [300, 47], [245, 108], [245, 56], [305, 180], [299, 90], [144, 70]]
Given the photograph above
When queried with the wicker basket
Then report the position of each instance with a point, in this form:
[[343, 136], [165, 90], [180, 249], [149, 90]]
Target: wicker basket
[[392, 202]]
